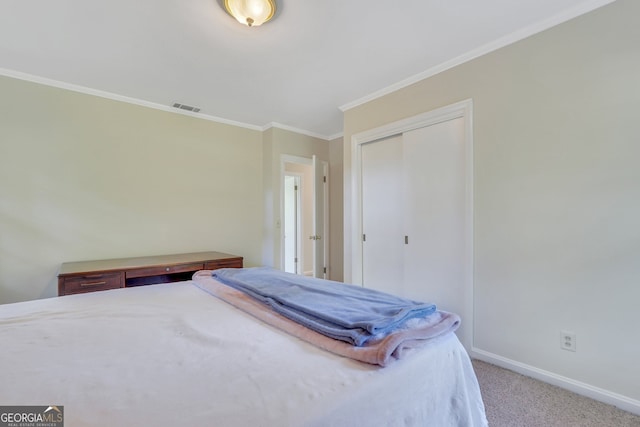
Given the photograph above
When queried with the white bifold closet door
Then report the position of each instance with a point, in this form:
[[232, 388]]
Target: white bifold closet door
[[413, 214], [382, 201]]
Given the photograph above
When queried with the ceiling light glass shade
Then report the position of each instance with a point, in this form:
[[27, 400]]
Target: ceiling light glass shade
[[251, 12]]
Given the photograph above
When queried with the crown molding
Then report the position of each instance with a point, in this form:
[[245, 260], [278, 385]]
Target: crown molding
[[116, 97], [135, 101], [335, 136], [277, 125], [482, 50]]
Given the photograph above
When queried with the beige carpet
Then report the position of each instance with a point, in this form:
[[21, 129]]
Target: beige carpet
[[513, 400]]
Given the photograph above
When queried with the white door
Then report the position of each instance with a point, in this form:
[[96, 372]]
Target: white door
[[291, 224], [434, 215], [382, 201], [414, 215]]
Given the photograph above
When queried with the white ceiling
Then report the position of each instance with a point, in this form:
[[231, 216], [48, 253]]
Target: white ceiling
[[296, 72]]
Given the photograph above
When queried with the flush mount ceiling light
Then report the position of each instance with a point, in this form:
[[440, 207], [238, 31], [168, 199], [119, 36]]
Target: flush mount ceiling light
[[251, 12]]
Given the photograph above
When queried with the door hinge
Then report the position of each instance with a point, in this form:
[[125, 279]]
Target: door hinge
[[406, 240], [295, 188], [364, 237], [324, 270], [324, 178]]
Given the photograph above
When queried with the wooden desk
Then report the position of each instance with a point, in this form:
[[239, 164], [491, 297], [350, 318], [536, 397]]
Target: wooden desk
[[100, 275]]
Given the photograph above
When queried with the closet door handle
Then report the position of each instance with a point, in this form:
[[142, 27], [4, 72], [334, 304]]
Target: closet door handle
[[406, 240]]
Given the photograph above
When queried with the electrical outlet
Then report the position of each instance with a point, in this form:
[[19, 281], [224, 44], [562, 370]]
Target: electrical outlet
[[568, 340]]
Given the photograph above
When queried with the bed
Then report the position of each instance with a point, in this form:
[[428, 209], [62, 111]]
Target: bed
[[174, 354]]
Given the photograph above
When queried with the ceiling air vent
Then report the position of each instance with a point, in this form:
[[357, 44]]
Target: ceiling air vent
[[186, 107]]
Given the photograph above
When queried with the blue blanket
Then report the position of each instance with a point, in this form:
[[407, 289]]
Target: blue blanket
[[341, 311]]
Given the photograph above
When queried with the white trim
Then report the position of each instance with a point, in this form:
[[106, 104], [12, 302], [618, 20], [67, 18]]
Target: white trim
[[289, 158], [462, 109], [482, 50], [116, 97], [334, 136], [135, 101], [597, 393], [296, 130]]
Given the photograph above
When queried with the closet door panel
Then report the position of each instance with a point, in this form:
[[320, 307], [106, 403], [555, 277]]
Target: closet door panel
[[382, 201], [434, 214]]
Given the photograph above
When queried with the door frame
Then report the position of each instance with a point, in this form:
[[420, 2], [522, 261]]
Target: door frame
[[307, 161], [299, 256], [462, 109]]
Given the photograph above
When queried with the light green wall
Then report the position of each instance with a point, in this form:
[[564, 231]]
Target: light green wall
[[336, 209], [82, 177], [556, 193]]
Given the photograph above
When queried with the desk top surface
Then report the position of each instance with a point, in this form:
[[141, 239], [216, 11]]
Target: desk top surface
[[140, 262]]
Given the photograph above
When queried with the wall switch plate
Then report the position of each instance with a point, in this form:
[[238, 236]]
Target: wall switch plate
[[568, 340]]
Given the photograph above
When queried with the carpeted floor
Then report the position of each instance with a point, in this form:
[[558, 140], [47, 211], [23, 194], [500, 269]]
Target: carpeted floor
[[513, 400]]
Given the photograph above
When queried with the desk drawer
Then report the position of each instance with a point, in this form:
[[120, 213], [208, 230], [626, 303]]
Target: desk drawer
[[90, 283], [223, 263], [161, 270]]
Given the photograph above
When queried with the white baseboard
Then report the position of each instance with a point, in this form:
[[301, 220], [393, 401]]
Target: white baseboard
[[623, 402]]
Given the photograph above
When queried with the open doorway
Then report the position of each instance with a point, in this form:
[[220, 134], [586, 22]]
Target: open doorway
[[304, 216]]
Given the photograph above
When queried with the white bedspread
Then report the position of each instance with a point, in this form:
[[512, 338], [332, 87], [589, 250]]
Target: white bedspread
[[171, 354]]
